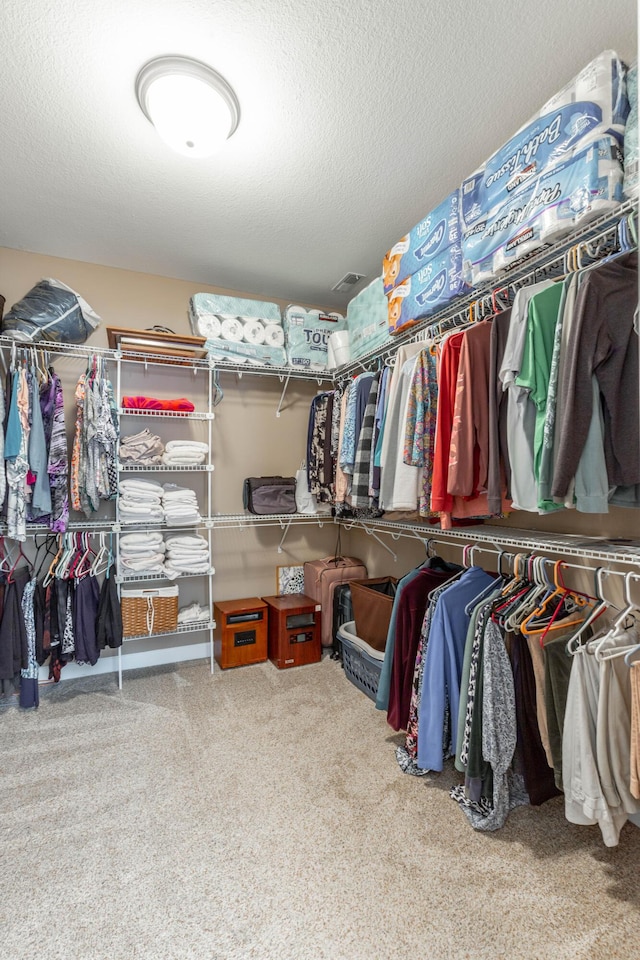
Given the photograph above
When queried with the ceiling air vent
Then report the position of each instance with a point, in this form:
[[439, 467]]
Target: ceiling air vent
[[349, 280]]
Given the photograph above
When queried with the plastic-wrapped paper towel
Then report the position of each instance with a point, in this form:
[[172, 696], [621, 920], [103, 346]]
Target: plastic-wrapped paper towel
[[429, 289], [368, 319], [584, 186], [254, 335], [631, 155], [307, 334], [593, 104], [426, 240]]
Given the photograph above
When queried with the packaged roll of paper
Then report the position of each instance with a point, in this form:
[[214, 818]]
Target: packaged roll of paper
[[274, 335], [232, 330], [253, 331], [210, 327]]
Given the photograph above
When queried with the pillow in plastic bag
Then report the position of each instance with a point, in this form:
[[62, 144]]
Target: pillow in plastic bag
[[50, 311]]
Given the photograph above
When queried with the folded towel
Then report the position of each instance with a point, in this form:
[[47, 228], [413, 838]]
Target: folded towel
[[182, 460], [193, 613], [175, 446], [153, 538], [196, 542]]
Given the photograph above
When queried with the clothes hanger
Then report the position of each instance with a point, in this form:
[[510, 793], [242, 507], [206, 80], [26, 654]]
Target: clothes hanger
[[556, 600], [10, 576], [573, 643], [617, 629]]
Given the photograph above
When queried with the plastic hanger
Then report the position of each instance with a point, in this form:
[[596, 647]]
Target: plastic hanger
[[573, 643], [532, 626], [617, 629]]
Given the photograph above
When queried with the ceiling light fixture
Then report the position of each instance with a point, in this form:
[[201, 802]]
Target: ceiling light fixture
[[192, 107]]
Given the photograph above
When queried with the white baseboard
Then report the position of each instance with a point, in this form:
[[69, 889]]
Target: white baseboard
[[108, 662]]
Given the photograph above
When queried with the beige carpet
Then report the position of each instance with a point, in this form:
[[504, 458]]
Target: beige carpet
[[261, 814]]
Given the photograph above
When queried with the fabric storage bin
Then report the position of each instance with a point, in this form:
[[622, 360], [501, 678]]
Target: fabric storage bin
[[372, 604], [362, 664], [154, 610]]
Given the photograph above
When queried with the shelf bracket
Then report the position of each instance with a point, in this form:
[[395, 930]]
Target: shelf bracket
[[385, 546], [284, 534], [284, 390]]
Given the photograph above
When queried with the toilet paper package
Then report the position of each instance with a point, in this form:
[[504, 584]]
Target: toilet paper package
[[631, 171], [368, 319], [430, 289], [307, 334], [205, 308], [251, 353], [584, 186], [426, 240], [593, 104], [245, 339]]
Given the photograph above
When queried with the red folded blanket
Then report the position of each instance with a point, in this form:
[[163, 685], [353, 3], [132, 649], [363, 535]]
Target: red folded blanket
[[151, 403]]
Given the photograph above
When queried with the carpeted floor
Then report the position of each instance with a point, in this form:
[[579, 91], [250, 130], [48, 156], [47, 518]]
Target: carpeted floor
[[261, 815]]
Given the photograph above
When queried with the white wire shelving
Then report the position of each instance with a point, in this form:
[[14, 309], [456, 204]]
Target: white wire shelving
[[162, 468], [606, 551], [166, 414], [197, 626]]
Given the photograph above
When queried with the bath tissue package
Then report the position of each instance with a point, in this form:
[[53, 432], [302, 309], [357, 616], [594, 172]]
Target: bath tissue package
[[429, 289], [592, 104], [368, 319], [203, 306], [251, 353], [426, 240], [307, 334], [631, 178], [586, 185]]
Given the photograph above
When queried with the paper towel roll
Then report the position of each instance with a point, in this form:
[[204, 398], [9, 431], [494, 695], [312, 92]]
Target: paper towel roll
[[231, 330], [253, 331], [210, 327], [273, 335]]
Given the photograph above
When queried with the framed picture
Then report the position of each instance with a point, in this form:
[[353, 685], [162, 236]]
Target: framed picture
[[289, 580]]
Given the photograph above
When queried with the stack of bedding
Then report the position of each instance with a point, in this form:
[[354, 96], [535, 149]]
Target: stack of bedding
[[180, 505], [142, 554], [140, 501], [143, 449], [184, 453], [186, 554], [249, 331]]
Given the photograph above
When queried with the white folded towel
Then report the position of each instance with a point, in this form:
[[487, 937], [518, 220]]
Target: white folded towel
[[194, 542], [194, 613], [179, 445]]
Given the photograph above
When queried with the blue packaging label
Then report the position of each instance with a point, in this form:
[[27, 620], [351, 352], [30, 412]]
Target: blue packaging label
[[545, 208], [428, 239], [428, 290]]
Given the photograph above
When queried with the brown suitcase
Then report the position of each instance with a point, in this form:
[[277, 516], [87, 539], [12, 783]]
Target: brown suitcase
[[320, 580]]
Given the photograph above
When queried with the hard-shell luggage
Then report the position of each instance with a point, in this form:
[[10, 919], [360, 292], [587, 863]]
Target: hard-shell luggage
[[320, 580], [342, 613]]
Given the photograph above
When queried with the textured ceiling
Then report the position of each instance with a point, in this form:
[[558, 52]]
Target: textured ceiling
[[357, 117]]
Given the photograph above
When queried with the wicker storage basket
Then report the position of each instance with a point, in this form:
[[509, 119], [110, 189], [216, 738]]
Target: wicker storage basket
[[145, 612]]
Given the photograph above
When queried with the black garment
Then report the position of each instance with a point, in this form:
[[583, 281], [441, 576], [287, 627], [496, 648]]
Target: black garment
[[14, 653], [109, 619], [39, 597], [85, 611], [538, 775]]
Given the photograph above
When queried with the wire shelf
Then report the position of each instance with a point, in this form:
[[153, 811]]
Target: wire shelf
[[198, 627], [152, 577], [570, 545], [170, 414], [281, 520], [161, 468]]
